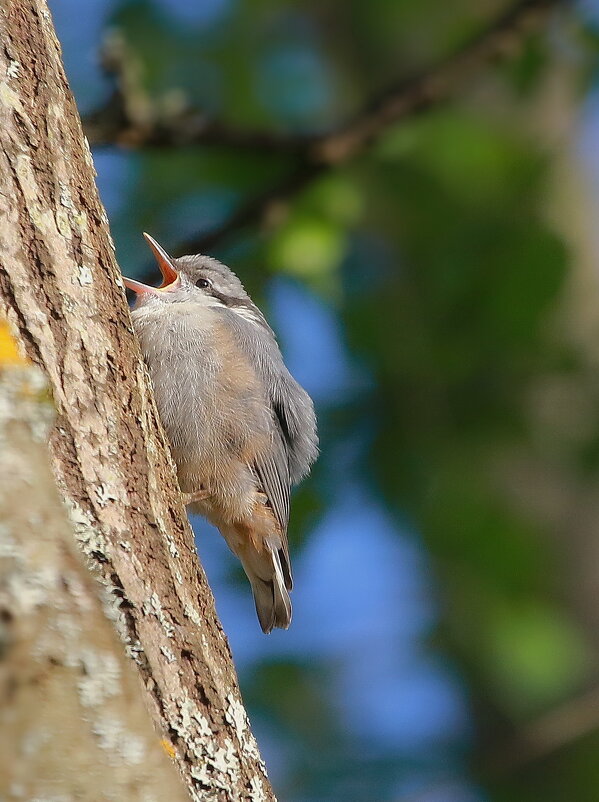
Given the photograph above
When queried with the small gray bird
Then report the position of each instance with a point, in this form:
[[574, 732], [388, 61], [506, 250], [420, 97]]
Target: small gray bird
[[242, 430]]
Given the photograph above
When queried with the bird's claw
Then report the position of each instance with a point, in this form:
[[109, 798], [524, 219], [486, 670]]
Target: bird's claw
[[198, 495]]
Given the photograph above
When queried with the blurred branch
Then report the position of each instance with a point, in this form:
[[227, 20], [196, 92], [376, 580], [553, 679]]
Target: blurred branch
[[130, 119], [552, 731], [408, 97], [172, 124]]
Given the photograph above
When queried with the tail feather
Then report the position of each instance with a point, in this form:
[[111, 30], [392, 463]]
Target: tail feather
[[286, 567], [265, 560], [268, 580]]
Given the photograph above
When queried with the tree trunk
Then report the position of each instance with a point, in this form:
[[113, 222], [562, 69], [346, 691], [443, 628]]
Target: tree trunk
[[72, 718], [61, 289]]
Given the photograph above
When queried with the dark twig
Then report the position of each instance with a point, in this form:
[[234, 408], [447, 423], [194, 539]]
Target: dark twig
[[131, 119], [111, 125], [536, 741], [552, 731], [260, 206], [422, 90], [410, 96]]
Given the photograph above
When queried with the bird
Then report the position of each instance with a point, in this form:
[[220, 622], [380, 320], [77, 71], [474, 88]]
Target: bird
[[242, 430]]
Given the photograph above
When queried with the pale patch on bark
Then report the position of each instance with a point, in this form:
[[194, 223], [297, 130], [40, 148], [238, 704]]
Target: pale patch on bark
[[72, 721]]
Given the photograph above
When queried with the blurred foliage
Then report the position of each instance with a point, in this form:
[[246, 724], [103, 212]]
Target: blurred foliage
[[435, 253]]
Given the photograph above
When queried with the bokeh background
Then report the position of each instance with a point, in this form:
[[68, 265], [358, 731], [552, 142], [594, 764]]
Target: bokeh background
[[438, 296]]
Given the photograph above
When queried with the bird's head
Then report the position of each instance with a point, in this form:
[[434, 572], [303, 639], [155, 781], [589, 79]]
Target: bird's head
[[192, 279]]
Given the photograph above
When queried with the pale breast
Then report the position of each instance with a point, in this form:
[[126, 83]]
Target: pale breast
[[210, 399]]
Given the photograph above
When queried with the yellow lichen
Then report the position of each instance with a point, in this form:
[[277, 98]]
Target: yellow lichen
[[168, 748], [9, 350]]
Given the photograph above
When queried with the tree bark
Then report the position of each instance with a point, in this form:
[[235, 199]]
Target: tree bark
[[61, 289], [71, 713]]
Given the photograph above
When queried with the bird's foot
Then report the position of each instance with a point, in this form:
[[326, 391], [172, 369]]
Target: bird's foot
[[198, 495]]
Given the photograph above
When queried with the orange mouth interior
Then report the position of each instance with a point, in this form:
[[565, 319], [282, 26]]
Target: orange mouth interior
[[170, 277]]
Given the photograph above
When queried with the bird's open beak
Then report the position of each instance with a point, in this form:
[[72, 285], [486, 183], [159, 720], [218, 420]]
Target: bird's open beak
[[170, 276]]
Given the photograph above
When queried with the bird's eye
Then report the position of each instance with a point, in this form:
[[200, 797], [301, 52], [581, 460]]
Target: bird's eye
[[203, 283]]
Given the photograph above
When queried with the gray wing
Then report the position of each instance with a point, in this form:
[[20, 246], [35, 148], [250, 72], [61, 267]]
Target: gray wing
[[294, 438], [272, 473]]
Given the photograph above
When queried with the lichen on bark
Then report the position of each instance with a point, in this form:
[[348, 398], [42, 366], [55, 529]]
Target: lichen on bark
[[72, 721]]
